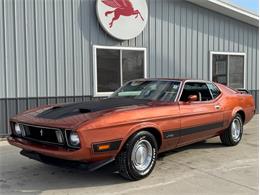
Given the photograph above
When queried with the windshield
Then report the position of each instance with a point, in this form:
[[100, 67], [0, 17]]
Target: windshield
[[149, 90]]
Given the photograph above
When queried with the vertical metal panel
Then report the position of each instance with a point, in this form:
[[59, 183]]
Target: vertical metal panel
[[11, 110], [236, 31], [205, 73], [138, 39], [253, 75], [20, 49], [249, 58], [3, 117], [50, 49], [145, 38], [69, 57], [183, 40], [200, 43], [211, 31], [177, 40], [2, 52], [10, 51], [226, 35], [152, 35], [59, 50], [189, 41], [165, 39], [86, 27], [216, 29], [221, 33], [245, 42], [158, 38], [194, 38], [32, 78], [241, 38], [77, 43], [32, 103], [41, 48], [231, 35], [21, 105]]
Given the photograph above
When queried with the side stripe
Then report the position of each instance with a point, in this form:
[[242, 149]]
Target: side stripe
[[191, 130]]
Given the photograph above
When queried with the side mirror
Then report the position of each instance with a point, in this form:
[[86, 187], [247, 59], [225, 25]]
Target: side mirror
[[192, 98]]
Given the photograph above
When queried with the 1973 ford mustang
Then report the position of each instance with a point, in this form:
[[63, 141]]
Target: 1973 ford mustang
[[141, 119]]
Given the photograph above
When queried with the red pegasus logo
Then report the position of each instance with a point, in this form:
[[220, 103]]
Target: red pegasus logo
[[122, 8]]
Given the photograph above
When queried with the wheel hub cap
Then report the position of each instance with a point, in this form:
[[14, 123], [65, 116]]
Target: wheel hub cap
[[236, 129], [142, 155]]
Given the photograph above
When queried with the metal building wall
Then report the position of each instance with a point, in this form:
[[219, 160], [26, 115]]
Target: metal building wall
[[46, 48]]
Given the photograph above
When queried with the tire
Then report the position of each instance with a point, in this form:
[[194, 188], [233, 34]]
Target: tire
[[232, 137], [138, 156]]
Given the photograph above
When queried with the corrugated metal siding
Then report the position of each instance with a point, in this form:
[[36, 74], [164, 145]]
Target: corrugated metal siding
[[46, 46]]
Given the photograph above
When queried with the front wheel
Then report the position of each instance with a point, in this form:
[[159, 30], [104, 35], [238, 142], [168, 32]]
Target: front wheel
[[233, 134], [138, 157]]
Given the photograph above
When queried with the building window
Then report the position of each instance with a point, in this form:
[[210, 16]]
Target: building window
[[113, 66], [228, 68]]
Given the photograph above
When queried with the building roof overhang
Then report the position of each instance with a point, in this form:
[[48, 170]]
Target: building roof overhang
[[229, 10]]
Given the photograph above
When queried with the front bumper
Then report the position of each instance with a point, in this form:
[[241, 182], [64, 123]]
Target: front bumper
[[82, 154], [54, 161]]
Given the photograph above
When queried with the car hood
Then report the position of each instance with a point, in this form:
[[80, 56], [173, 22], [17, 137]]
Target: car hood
[[73, 114]]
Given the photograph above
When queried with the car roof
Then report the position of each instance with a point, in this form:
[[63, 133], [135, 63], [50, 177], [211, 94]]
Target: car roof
[[173, 79]]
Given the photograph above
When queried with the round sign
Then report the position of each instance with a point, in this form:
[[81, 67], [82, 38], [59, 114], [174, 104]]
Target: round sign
[[122, 19]]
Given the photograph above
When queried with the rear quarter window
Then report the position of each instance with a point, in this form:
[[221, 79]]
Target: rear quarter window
[[214, 90]]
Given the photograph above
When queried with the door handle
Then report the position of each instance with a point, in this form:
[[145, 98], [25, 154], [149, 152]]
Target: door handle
[[217, 107]]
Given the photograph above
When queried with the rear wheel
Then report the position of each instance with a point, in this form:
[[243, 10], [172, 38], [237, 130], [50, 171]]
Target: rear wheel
[[137, 158], [233, 134]]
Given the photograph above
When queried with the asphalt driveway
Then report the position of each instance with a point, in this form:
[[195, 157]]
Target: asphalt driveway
[[202, 168]]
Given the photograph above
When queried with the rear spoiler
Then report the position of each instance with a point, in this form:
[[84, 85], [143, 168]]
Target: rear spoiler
[[243, 91]]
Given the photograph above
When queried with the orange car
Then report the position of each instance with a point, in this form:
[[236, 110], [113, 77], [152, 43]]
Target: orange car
[[140, 120]]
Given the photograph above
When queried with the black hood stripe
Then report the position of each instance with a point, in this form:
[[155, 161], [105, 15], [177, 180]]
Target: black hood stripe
[[67, 110]]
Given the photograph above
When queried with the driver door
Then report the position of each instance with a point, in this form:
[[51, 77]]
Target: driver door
[[200, 119]]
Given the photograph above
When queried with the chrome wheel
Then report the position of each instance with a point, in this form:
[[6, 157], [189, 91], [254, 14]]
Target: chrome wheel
[[142, 156], [236, 129]]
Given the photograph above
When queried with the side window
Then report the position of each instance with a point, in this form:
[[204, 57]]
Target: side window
[[201, 90], [214, 90]]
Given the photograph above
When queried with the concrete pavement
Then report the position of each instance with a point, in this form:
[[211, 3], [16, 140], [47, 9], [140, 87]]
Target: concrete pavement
[[202, 168]]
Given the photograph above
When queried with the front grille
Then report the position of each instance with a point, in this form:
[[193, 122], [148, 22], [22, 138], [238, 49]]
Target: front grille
[[43, 134]]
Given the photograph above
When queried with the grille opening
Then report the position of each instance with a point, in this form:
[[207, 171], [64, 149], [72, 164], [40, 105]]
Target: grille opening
[[44, 135]]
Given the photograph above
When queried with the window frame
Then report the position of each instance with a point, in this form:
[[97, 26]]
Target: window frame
[[228, 54], [120, 48], [197, 81]]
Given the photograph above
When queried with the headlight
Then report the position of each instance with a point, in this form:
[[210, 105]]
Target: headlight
[[18, 129], [73, 139]]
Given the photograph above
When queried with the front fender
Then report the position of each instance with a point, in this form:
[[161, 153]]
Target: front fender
[[139, 127]]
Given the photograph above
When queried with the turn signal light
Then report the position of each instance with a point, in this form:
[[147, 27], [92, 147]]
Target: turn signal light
[[107, 146], [103, 147]]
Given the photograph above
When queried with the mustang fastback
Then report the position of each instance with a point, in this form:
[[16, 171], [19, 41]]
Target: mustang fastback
[[137, 122]]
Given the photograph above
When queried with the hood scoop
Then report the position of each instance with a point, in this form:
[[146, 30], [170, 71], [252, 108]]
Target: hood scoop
[[67, 110]]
